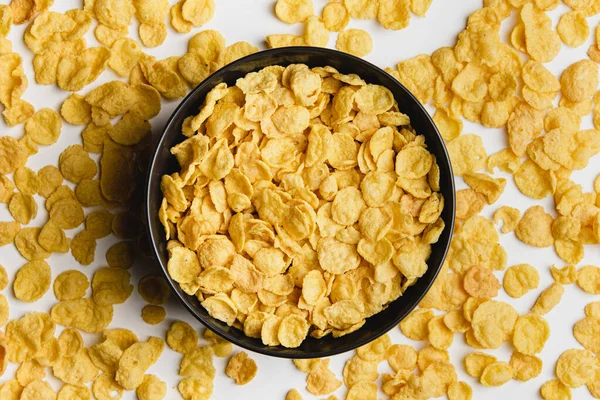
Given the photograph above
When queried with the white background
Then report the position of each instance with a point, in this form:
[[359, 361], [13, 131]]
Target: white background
[[252, 20]]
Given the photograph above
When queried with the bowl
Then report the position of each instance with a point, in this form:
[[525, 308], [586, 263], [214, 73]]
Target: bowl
[[163, 162]]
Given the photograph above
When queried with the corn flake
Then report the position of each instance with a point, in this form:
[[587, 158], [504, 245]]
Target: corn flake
[[241, 368], [548, 299], [111, 286], [520, 279], [575, 367], [355, 41]]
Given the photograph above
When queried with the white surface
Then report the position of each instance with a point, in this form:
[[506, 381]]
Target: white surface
[[252, 20]]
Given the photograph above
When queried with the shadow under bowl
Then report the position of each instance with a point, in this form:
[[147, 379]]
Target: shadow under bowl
[[163, 162]]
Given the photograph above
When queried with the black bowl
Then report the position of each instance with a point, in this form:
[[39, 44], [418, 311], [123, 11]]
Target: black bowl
[[164, 163]]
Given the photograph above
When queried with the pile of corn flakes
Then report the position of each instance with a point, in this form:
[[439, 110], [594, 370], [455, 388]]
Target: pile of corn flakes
[[320, 198], [336, 15], [305, 203]]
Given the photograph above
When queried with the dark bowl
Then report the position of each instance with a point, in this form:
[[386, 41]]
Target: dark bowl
[[164, 163]]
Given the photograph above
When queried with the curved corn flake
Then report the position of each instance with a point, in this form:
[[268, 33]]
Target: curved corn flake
[[355, 41]]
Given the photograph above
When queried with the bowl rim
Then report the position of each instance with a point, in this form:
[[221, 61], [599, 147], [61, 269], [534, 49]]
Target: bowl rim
[[158, 142]]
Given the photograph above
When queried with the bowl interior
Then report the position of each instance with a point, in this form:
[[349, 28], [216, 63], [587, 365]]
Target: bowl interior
[[164, 163]]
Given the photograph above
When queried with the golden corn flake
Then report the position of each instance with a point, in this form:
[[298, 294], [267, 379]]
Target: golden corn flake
[[535, 227], [178, 23], [335, 16], [376, 350], [153, 315], [535, 182], [65, 212], [470, 84], [588, 279], [593, 309], [476, 363], [542, 43], [26, 181], [449, 126], [509, 217], [105, 387], [496, 374], [430, 355], [531, 333], [555, 390], [294, 11], [111, 286], [525, 367], [136, 360], [7, 188], [468, 203], [151, 388], [456, 321], [586, 333], [83, 247], [191, 387], [355, 41], [6, 19], [401, 357], [395, 15], [357, 370], [575, 367], [414, 326], [467, 154], [182, 337], [82, 314], [593, 384], [361, 9], [3, 278], [53, 239], [321, 380], [75, 392], [573, 28], [39, 390], [520, 279], [579, 81], [75, 110], [152, 35], [362, 390], [241, 368], [493, 323], [23, 208], [75, 164], [70, 285], [480, 282], [459, 391], [293, 394], [30, 371], [32, 281], [440, 336], [50, 179], [548, 299], [198, 362], [565, 276], [11, 390]]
